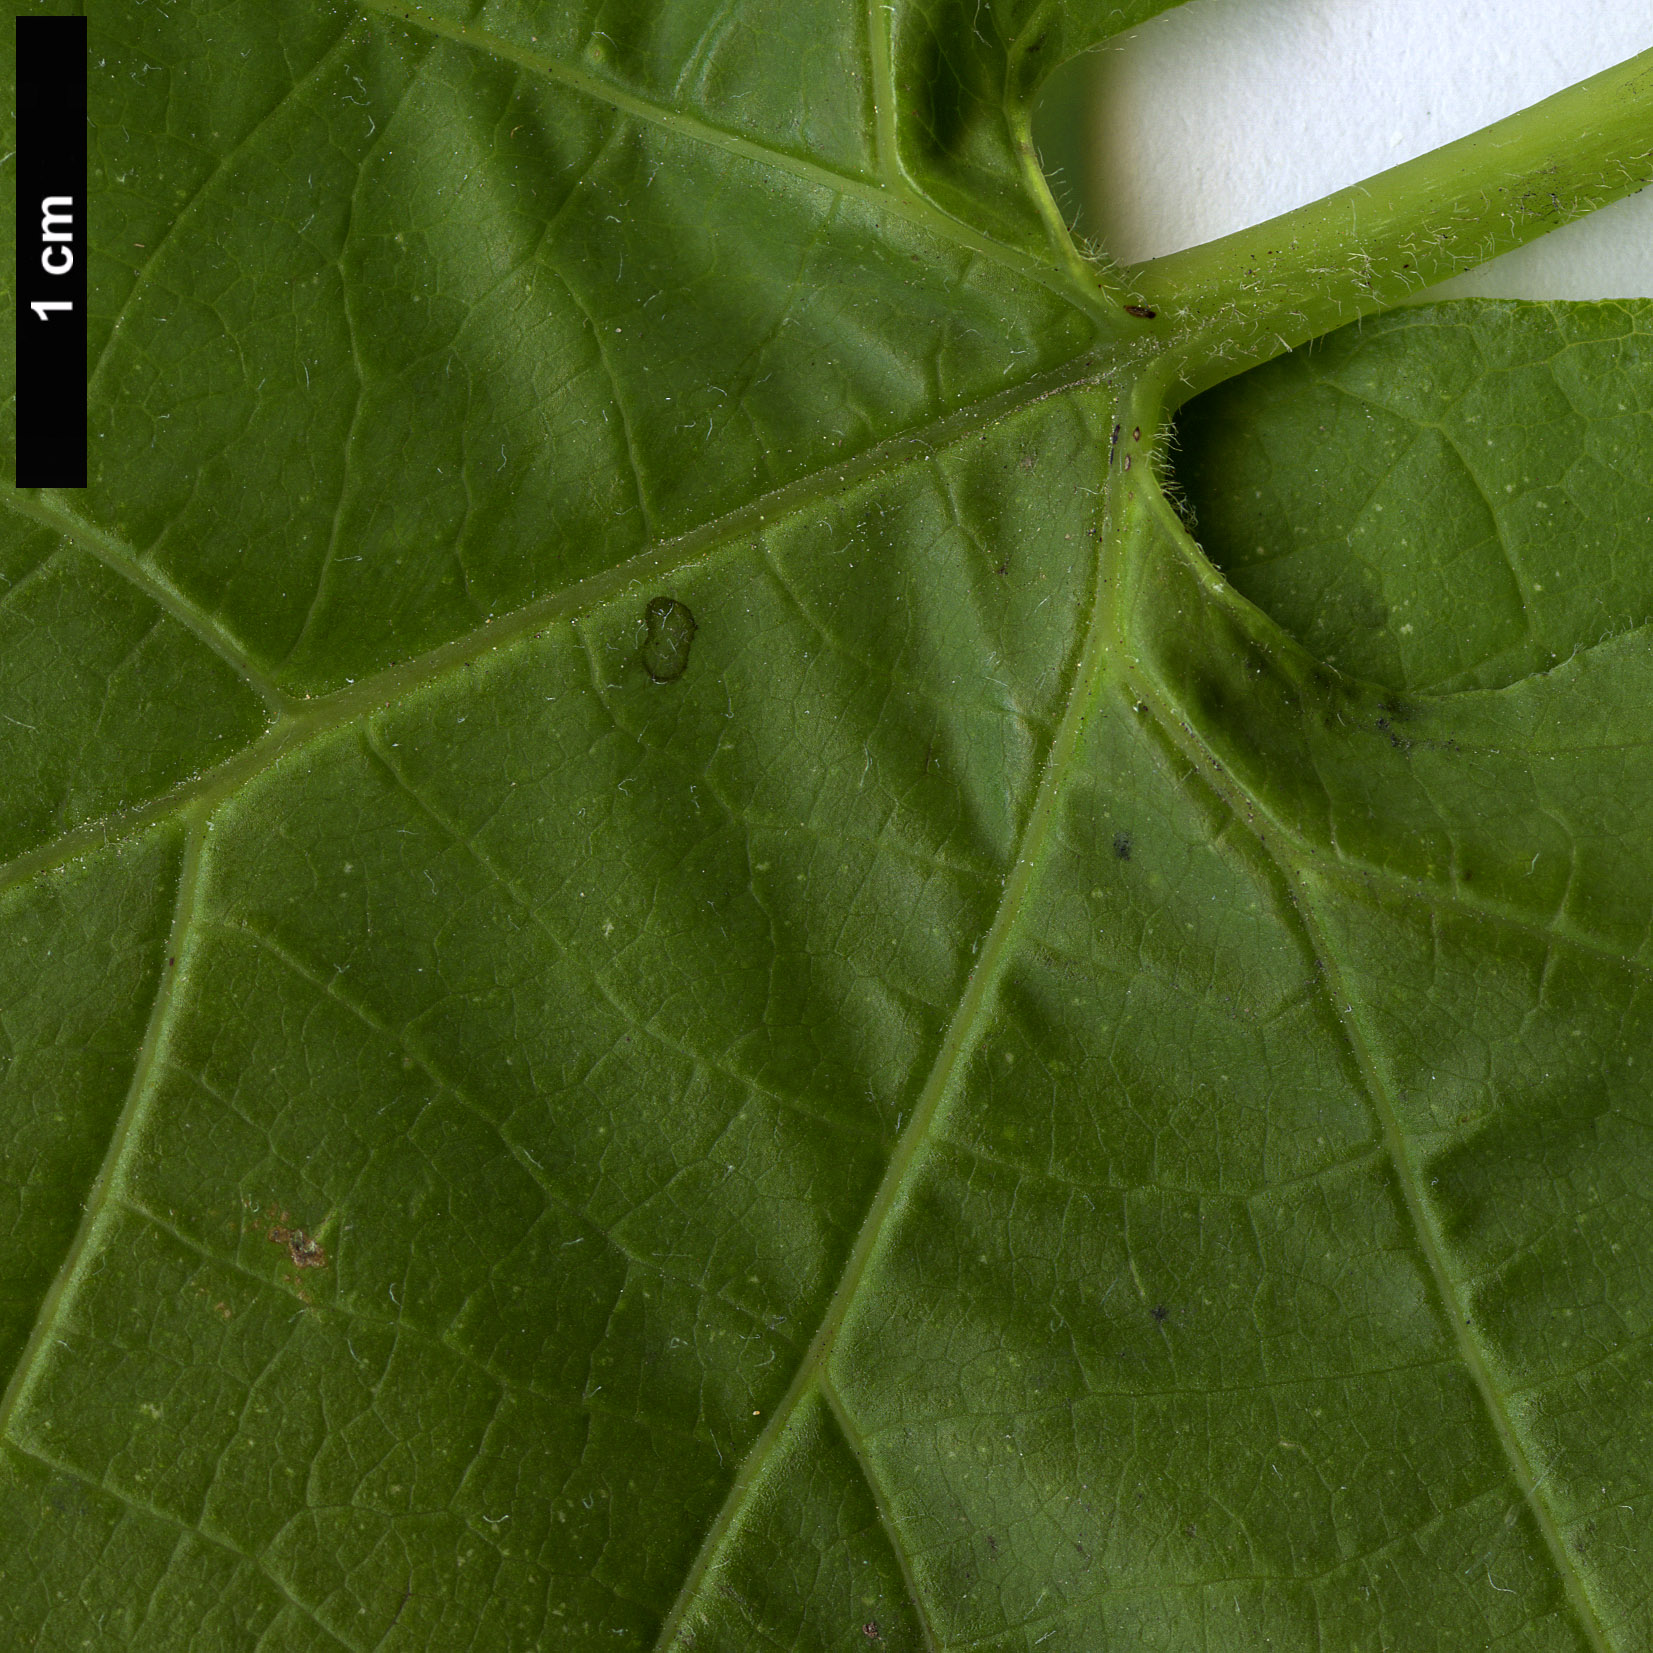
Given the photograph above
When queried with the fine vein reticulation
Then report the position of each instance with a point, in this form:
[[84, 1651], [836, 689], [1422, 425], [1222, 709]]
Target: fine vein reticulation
[[1122, 381], [1176, 728]]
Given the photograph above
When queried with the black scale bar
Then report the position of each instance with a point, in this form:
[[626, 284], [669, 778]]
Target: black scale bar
[[51, 252]]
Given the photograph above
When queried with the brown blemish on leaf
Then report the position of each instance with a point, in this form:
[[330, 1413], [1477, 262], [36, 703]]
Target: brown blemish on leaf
[[305, 1252]]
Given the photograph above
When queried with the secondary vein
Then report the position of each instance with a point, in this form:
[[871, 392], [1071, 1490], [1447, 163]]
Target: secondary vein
[[883, 91], [121, 560], [851, 1433], [898, 199], [1470, 1351], [127, 1128], [1183, 736], [963, 1032]]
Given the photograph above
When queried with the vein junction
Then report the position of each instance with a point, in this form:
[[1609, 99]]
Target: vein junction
[[297, 725]]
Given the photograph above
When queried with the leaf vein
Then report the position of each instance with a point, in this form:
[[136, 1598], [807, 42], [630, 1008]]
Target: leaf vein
[[315, 719], [958, 1042], [1340, 1000], [156, 1512], [857, 1448], [125, 563], [106, 1183], [899, 202]]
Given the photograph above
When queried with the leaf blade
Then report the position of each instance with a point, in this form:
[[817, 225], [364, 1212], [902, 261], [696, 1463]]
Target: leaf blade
[[597, 1072]]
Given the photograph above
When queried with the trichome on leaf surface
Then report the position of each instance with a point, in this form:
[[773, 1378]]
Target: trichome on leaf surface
[[679, 975]]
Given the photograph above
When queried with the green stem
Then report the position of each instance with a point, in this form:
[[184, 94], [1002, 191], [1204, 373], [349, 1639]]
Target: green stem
[[1232, 303]]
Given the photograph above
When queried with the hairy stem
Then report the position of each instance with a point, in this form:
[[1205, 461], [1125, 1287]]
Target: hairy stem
[[1238, 301]]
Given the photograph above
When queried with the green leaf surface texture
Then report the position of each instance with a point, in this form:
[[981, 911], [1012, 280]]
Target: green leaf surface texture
[[678, 973]]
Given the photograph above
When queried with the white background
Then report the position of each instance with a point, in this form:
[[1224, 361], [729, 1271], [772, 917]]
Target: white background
[[1225, 112]]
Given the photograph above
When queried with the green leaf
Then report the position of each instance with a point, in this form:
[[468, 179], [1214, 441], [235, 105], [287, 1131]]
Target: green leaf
[[677, 974], [1445, 499]]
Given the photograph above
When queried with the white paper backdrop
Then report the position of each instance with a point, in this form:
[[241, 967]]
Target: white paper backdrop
[[1226, 112]]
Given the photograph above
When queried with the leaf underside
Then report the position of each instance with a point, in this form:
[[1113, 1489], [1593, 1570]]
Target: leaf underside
[[675, 972]]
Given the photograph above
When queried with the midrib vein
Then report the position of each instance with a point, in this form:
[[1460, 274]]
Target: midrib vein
[[315, 719], [959, 1041], [897, 198], [127, 1125], [1180, 732]]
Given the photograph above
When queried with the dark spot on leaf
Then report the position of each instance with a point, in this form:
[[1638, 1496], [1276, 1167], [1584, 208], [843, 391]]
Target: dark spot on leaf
[[66, 1496], [304, 1252], [1122, 845], [1159, 1312], [1141, 312], [669, 630], [1399, 742], [871, 1631]]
